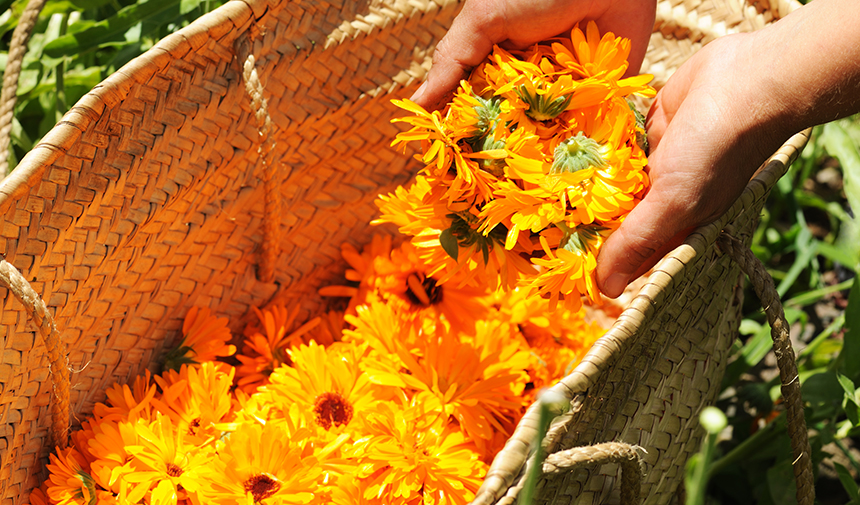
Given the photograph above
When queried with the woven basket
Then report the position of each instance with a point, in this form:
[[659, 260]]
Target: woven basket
[[226, 166]]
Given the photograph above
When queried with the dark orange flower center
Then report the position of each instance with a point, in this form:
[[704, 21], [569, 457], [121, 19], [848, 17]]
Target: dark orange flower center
[[193, 426], [422, 290], [262, 486], [174, 470], [332, 408]]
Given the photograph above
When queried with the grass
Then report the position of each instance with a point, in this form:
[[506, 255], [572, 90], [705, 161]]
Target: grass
[[808, 239]]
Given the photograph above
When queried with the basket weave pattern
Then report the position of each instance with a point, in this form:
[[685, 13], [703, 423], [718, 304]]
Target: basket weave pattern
[[147, 199]]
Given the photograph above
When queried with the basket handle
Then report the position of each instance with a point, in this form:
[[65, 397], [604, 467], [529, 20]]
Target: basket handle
[[767, 294], [624, 455], [266, 151], [38, 311]]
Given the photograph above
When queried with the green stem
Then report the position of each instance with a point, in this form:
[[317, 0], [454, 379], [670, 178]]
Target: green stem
[[60, 102], [745, 449]]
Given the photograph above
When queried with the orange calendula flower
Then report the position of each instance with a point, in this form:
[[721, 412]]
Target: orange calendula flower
[[360, 275], [69, 482], [266, 344], [128, 403], [590, 55], [204, 338], [567, 271]]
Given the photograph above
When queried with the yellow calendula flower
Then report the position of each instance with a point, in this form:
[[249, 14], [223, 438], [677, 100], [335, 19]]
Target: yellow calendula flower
[[196, 399], [165, 462], [476, 388], [327, 384], [410, 455], [264, 464]]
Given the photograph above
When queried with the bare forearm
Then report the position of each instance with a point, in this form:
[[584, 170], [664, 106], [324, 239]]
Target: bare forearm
[[812, 59]]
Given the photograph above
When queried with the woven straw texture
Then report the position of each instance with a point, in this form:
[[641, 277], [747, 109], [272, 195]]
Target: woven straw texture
[[150, 197]]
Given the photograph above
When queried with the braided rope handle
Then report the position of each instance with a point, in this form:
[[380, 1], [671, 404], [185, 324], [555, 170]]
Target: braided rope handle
[[619, 453], [8, 97], [38, 311], [766, 292], [266, 150]]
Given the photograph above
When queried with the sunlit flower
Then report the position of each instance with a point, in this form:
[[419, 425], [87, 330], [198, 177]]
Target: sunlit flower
[[164, 461], [409, 455], [325, 383], [589, 55], [264, 464], [196, 399], [567, 272]]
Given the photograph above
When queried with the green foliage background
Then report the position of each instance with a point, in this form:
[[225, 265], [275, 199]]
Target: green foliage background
[[809, 238]]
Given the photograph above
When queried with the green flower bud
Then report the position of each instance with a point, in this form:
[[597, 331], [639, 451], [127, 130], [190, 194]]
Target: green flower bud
[[577, 153]]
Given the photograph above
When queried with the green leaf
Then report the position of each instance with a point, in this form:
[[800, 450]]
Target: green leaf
[[186, 6], [839, 144], [847, 386], [848, 482], [86, 5], [780, 482], [850, 356], [109, 30], [807, 249], [449, 243], [839, 253], [755, 349], [823, 393]]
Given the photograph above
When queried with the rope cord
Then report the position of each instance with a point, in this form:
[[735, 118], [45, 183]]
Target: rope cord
[[8, 97], [266, 150], [38, 311], [767, 294]]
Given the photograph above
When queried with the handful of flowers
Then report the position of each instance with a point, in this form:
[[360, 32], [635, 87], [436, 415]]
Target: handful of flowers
[[533, 164]]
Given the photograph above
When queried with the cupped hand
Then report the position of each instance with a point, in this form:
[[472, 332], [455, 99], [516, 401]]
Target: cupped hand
[[710, 127], [515, 24]]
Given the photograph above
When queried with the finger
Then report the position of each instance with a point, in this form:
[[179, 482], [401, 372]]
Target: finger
[[634, 22], [650, 230], [469, 40]]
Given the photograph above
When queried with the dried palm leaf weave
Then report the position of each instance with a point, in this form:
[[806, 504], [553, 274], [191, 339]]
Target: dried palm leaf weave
[[148, 198]]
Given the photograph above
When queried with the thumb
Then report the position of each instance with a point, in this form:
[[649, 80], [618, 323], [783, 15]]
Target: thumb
[[653, 228], [469, 40]]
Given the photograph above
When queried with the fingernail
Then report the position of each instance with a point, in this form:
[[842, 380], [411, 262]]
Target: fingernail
[[615, 285], [419, 92]]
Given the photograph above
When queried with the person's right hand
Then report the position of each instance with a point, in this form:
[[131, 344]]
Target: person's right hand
[[516, 24]]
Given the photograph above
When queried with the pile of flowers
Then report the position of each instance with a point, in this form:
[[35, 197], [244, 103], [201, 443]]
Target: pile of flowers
[[404, 397], [405, 393], [534, 163]]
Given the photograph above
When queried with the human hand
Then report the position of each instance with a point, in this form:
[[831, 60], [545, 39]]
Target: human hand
[[709, 128], [515, 24]]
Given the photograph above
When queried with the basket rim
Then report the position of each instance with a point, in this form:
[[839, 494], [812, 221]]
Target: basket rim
[[225, 21]]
